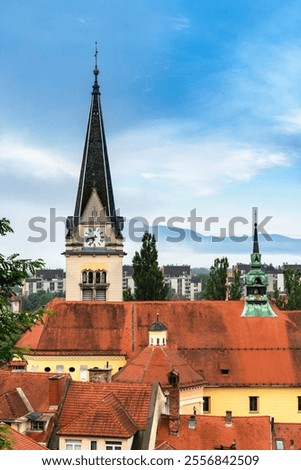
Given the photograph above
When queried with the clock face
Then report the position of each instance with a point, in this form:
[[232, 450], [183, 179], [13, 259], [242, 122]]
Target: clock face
[[94, 237]]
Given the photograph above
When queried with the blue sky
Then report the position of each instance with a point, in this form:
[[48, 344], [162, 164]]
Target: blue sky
[[202, 110]]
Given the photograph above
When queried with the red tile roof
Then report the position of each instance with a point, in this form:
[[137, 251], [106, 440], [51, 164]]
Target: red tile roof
[[290, 433], [210, 432], [209, 335], [107, 418], [13, 404], [21, 442], [35, 386], [153, 364], [88, 396]]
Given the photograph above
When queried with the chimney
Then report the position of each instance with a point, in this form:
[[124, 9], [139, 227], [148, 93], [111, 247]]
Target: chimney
[[55, 390], [228, 420], [174, 403], [100, 375]]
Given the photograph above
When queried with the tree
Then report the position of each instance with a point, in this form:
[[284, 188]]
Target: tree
[[216, 288], [292, 284], [39, 299], [235, 292], [13, 271], [147, 275]]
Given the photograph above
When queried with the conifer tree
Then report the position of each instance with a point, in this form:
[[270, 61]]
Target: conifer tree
[[147, 275], [236, 287], [216, 288]]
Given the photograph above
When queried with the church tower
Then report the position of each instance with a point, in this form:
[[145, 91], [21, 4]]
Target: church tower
[[257, 303], [94, 242]]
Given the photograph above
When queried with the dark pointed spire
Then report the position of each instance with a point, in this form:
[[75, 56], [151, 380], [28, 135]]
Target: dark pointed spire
[[255, 236], [95, 169]]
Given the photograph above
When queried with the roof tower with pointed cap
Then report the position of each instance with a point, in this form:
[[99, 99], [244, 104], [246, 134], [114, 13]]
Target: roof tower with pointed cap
[[257, 303]]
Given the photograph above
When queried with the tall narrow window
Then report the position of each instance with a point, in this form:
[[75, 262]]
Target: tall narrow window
[[93, 445], [206, 404], [299, 403], [253, 404]]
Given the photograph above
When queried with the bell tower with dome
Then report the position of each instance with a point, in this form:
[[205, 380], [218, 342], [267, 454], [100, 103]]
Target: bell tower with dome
[[94, 241]]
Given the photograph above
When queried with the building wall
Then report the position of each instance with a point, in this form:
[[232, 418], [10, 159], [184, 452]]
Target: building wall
[[81, 364], [101, 442], [280, 403], [190, 399], [110, 263]]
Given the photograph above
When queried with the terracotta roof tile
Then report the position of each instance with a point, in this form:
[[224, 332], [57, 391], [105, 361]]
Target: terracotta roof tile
[[134, 398], [290, 433], [35, 386], [107, 417], [210, 432], [13, 405], [197, 330], [153, 364]]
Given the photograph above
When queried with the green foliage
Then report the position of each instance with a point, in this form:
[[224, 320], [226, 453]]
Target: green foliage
[[13, 271], [216, 288], [5, 440], [128, 295], [39, 299], [235, 292], [292, 284], [148, 277]]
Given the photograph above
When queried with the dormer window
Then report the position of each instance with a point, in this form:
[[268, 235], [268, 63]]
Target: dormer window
[[38, 425], [157, 334]]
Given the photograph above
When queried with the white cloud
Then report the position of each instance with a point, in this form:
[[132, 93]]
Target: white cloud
[[20, 157], [291, 122], [158, 154]]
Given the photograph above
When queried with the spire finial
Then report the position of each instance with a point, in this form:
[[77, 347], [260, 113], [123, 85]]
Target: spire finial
[[96, 72], [255, 236], [96, 53]]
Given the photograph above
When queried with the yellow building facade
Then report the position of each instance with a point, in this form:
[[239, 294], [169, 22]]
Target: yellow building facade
[[77, 366], [280, 403]]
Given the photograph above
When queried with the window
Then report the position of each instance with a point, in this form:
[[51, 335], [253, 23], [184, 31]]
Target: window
[[206, 404], [279, 443], [113, 445], [299, 403], [59, 369], [38, 425], [253, 404], [72, 444], [47, 369], [93, 445], [224, 371], [83, 373]]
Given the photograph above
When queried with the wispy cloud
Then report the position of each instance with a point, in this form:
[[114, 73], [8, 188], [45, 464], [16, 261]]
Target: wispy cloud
[[159, 154], [20, 157], [180, 23]]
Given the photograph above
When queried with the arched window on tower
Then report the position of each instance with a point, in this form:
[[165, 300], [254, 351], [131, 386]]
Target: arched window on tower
[[84, 277], [90, 277]]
